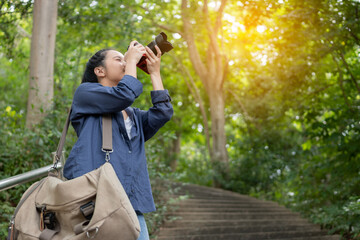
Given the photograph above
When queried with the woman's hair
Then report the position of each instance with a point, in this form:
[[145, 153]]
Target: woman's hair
[[95, 61]]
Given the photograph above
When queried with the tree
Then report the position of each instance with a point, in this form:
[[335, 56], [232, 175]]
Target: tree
[[212, 71], [41, 81]]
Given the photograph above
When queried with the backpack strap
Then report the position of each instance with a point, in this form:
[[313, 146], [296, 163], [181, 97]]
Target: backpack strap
[[107, 133], [106, 140], [107, 136], [48, 234], [62, 140]]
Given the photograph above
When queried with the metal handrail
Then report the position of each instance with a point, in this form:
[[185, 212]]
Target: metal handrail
[[27, 177], [33, 174]]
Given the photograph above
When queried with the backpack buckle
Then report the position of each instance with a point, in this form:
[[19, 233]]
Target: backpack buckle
[[88, 209]]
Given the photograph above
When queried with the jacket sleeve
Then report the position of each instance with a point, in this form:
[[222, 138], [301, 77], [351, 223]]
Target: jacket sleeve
[[94, 98], [160, 113]]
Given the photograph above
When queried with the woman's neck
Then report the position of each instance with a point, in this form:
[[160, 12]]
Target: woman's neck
[[107, 82]]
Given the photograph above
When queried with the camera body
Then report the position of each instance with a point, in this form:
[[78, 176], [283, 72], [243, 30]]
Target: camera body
[[162, 43]]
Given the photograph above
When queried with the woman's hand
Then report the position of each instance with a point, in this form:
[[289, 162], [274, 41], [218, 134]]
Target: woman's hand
[[153, 66], [135, 52], [153, 61], [132, 57]]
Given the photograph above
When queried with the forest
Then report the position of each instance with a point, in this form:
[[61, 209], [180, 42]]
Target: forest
[[266, 96]]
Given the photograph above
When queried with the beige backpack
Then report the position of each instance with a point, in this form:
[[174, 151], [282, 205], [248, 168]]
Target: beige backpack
[[93, 206]]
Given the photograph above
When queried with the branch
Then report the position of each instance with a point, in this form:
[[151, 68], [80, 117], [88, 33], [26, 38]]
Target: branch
[[237, 99], [14, 12], [23, 32], [211, 32], [169, 28], [348, 68], [193, 51], [341, 80], [216, 63], [225, 72], [196, 94], [219, 16], [247, 118], [2, 4], [165, 27], [357, 40], [218, 23], [316, 92]]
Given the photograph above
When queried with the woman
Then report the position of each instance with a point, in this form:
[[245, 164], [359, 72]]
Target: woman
[[110, 85]]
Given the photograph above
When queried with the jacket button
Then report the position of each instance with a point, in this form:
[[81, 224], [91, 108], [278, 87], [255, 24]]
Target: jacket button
[[129, 151]]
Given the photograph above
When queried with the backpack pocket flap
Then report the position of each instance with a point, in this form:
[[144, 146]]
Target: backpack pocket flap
[[56, 193]]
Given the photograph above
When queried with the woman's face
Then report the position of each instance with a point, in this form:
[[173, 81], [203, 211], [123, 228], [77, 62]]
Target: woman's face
[[114, 66]]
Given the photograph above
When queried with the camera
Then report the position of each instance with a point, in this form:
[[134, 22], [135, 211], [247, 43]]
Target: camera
[[162, 43]]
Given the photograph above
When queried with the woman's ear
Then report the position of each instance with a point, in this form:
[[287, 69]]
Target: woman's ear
[[99, 71]]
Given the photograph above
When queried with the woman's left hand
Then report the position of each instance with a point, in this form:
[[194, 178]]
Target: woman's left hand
[[153, 61]]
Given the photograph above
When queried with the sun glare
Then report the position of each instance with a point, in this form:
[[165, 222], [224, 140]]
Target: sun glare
[[261, 28], [214, 5], [235, 26], [176, 36]]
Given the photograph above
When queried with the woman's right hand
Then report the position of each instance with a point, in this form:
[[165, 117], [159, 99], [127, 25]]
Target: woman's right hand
[[134, 53]]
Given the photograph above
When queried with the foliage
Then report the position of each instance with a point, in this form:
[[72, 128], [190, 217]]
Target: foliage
[[160, 178], [10, 12], [341, 218]]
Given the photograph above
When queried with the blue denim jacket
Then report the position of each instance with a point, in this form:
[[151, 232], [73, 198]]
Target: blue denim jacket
[[91, 100]]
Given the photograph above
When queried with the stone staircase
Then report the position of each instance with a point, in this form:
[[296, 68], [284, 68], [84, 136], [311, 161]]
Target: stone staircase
[[216, 214]]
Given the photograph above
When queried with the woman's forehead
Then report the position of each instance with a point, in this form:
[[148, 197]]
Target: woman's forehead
[[113, 54]]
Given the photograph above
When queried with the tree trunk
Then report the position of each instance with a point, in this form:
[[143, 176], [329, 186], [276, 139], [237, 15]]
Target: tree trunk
[[196, 94], [175, 151], [41, 82], [217, 110]]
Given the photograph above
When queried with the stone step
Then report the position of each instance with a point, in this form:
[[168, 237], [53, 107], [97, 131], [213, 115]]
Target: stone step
[[335, 237], [223, 216], [234, 229], [327, 237], [211, 194], [219, 198], [227, 201], [196, 189], [235, 222], [232, 209], [222, 207], [250, 236]]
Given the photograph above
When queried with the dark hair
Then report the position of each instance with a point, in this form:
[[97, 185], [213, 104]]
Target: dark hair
[[95, 61]]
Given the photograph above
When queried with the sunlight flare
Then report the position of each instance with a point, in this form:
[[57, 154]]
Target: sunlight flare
[[261, 28]]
